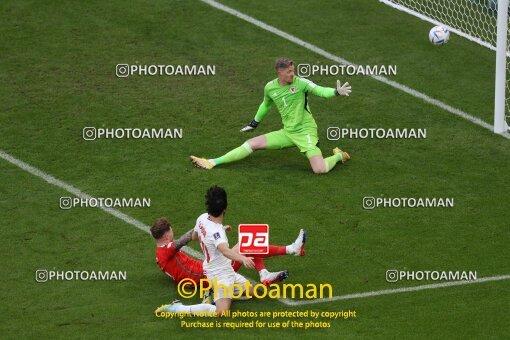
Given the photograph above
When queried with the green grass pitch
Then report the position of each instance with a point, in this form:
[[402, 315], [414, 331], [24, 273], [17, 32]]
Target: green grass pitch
[[57, 76]]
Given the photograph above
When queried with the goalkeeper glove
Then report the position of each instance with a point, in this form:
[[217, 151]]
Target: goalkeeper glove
[[250, 127], [343, 90]]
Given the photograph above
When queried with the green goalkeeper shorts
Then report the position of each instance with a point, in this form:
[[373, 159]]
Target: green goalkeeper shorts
[[306, 141]]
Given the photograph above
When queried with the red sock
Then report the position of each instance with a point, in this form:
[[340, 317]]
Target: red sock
[[273, 251], [236, 265], [259, 264]]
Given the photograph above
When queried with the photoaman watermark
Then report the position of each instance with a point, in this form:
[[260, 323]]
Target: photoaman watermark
[[188, 288]]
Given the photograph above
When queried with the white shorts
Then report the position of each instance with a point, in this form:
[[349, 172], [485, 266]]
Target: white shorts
[[223, 285]]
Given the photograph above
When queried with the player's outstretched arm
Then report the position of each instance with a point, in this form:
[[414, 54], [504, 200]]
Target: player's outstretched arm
[[232, 255], [328, 92], [183, 240], [263, 110]]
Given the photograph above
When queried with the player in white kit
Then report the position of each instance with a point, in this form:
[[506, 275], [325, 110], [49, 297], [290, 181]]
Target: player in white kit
[[221, 263], [218, 256]]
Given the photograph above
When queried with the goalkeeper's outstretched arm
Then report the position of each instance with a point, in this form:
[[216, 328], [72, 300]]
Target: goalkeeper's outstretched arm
[[328, 92], [263, 110]]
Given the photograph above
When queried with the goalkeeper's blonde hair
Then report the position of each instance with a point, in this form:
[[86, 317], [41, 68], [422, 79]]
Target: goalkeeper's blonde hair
[[283, 62]]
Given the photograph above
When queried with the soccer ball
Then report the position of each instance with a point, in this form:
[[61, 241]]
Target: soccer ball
[[439, 35]]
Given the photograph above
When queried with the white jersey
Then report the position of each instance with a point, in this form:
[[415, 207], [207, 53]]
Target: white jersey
[[210, 235]]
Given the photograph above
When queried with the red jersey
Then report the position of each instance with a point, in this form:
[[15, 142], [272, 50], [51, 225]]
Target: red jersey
[[177, 264]]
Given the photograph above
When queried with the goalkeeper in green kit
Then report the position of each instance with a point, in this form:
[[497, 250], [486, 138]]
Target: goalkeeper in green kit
[[290, 95]]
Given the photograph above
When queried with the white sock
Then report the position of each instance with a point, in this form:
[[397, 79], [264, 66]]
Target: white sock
[[202, 308], [183, 309], [263, 272], [194, 309], [289, 249], [212, 162]]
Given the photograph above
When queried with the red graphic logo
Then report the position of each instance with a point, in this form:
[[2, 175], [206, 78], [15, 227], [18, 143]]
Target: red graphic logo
[[292, 89], [254, 238]]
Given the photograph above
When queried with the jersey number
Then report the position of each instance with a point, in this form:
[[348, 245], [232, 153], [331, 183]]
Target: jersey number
[[284, 102], [204, 249]]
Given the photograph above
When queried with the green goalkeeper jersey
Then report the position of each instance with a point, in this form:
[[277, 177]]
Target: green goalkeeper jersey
[[292, 103]]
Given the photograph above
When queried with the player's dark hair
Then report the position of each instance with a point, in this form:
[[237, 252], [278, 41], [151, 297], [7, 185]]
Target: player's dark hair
[[216, 201], [282, 63], [160, 227]]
